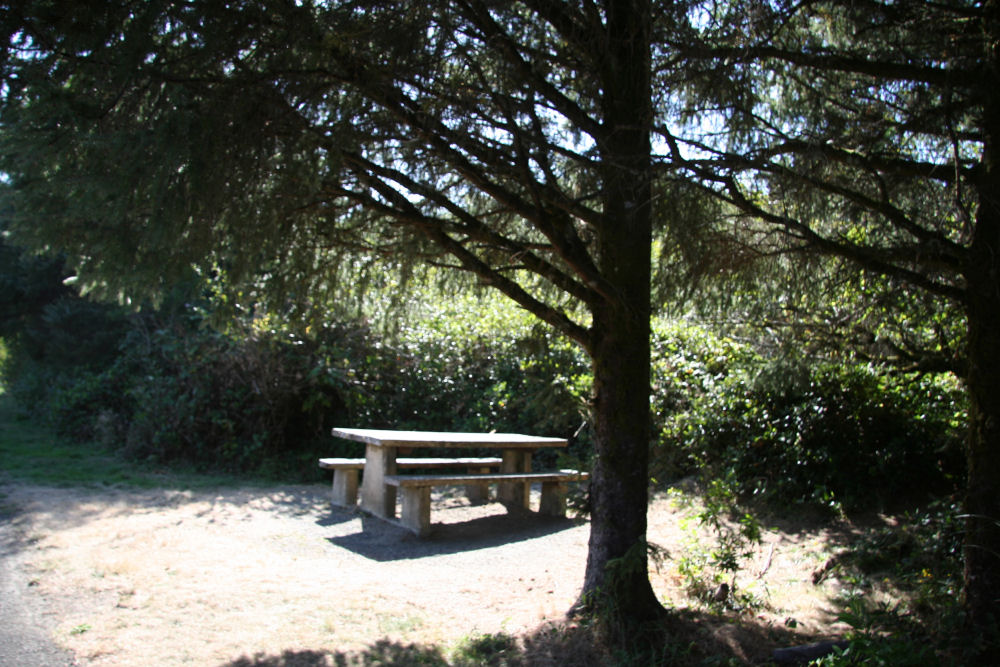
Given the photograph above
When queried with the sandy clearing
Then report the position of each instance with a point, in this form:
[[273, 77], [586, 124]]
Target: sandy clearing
[[202, 578]]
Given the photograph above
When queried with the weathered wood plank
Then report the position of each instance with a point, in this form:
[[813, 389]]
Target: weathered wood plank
[[515, 493], [376, 497], [449, 480], [344, 492], [345, 487], [391, 438], [415, 492], [553, 501], [421, 462], [342, 464]]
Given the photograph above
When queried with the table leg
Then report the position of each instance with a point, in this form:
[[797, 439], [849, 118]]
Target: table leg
[[376, 496], [478, 494], [553, 498], [517, 494], [416, 513], [345, 487]]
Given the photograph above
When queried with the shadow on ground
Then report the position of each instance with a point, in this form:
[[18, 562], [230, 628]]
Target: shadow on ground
[[88, 501], [383, 653], [693, 639], [383, 541]]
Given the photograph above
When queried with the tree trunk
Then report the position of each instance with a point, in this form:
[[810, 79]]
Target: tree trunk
[[982, 501], [617, 583]]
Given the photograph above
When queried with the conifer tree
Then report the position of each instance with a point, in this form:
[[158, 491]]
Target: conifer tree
[[268, 140]]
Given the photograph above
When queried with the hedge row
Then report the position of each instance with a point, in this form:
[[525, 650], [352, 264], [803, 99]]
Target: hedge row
[[262, 400]]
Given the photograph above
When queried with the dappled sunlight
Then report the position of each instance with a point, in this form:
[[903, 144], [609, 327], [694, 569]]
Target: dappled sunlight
[[206, 575], [786, 586], [224, 576], [687, 639]]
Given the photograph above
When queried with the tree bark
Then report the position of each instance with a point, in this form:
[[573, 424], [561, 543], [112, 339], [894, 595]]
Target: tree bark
[[616, 583], [982, 500]]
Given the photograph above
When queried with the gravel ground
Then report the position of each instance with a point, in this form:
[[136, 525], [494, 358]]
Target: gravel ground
[[168, 577], [268, 577], [25, 633]]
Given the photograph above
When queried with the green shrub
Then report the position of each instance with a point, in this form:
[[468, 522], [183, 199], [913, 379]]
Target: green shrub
[[56, 355], [921, 553], [224, 402], [877, 639], [169, 387], [693, 373], [849, 434], [261, 398], [436, 378], [836, 435]]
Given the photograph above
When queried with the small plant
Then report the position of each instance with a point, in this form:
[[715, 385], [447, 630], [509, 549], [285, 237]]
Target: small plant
[[872, 641], [711, 571], [489, 649], [920, 554], [918, 559]]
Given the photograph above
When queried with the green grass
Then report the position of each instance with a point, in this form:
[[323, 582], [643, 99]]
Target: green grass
[[34, 454]]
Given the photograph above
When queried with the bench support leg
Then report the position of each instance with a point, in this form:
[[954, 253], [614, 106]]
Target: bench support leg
[[345, 488], [378, 497], [517, 494], [416, 509], [553, 498], [478, 494]]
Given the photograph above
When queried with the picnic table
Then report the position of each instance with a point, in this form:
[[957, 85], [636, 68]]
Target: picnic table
[[380, 481]]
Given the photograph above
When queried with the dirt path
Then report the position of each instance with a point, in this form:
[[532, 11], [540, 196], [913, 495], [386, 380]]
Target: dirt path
[[25, 631], [169, 578]]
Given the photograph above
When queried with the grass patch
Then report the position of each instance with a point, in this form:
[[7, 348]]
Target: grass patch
[[32, 453], [488, 649]]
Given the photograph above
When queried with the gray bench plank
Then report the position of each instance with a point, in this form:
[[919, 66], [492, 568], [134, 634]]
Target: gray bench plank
[[415, 492], [447, 480], [425, 462], [344, 492], [392, 438]]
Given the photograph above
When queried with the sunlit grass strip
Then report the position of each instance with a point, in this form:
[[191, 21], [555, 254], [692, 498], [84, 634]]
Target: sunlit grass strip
[[32, 453]]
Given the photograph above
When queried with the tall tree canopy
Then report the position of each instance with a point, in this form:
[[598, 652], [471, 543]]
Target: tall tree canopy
[[260, 139], [869, 131], [534, 145]]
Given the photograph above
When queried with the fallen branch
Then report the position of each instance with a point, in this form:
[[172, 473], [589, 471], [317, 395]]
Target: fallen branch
[[767, 563]]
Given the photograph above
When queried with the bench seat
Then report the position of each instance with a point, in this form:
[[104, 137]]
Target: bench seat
[[345, 474], [426, 462], [416, 492], [448, 480]]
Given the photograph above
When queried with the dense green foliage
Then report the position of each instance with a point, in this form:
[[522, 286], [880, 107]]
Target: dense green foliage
[[27, 284], [263, 401], [268, 143], [793, 431], [260, 398], [32, 452], [830, 435]]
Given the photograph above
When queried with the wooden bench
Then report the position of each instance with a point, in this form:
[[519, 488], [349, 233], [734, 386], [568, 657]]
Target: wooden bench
[[416, 492], [345, 475]]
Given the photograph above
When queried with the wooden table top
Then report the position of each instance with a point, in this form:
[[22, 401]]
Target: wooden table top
[[391, 438]]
